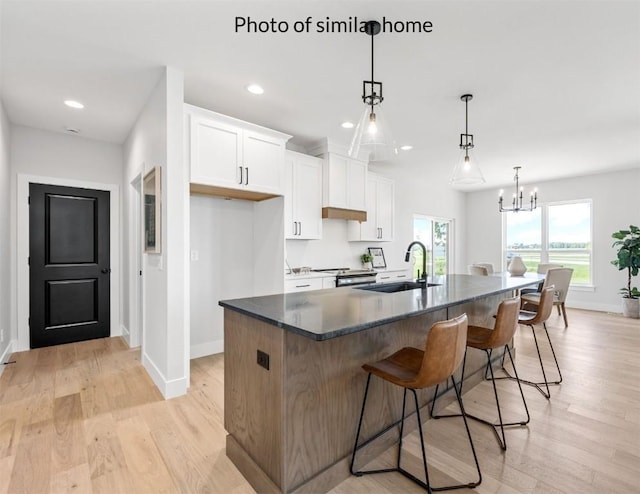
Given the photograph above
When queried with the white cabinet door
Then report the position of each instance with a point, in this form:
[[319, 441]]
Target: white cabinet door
[[380, 197], [303, 197], [216, 152], [263, 160], [308, 197], [290, 227], [302, 285], [384, 208], [368, 230], [394, 276]]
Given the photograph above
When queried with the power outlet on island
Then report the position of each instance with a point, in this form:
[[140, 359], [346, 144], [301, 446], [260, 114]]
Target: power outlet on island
[[263, 359]]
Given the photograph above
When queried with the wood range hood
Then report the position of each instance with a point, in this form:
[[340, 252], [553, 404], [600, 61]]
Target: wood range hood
[[344, 214]]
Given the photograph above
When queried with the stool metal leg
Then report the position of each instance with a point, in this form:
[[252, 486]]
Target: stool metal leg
[[355, 446], [502, 441], [426, 485], [545, 381]]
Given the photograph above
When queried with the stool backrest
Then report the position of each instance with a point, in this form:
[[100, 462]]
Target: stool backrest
[[443, 352], [506, 323], [560, 278], [545, 306]]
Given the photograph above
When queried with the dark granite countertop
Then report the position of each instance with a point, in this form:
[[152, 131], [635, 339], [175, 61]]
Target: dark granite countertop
[[329, 313]]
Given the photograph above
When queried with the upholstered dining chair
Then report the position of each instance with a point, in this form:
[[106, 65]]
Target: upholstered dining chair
[[542, 269], [560, 278], [476, 270], [487, 265]]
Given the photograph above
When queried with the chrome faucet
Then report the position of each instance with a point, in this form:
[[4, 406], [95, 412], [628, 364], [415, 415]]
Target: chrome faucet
[[423, 278]]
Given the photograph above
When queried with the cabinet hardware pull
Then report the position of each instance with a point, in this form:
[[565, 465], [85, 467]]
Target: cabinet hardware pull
[[295, 227], [299, 227], [241, 180], [246, 175], [385, 277], [302, 286]]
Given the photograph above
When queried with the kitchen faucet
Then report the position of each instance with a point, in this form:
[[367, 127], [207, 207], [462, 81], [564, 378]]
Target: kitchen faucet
[[423, 278]]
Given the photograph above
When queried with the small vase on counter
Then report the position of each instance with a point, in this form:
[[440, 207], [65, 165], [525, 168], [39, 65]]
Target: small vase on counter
[[516, 266]]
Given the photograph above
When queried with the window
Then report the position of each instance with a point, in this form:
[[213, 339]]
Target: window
[[435, 234], [554, 233]]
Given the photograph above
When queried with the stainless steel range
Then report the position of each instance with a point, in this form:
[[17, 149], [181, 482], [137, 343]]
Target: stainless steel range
[[351, 277]]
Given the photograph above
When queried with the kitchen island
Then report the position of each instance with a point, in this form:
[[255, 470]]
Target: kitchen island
[[293, 378]]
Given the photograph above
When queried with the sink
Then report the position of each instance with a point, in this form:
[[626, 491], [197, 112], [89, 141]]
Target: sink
[[395, 287]]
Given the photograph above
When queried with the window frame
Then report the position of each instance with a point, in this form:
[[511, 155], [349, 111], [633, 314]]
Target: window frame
[[545, 250], [450, 240]]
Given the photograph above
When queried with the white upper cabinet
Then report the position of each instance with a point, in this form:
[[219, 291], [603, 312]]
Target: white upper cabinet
[[216, 152], [227, 153], [263, 162], [303, 196], [344, 182], [380, 198]]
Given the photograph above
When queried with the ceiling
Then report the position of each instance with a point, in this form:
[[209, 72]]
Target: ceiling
[[555, 83]]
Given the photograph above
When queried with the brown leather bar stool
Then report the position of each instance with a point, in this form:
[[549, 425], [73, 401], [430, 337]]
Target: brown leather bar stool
[[411, 369], [531, 319], [488, 340]]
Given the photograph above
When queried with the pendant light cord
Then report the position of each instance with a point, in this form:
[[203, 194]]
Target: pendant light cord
[[373, 91], [466, 116]]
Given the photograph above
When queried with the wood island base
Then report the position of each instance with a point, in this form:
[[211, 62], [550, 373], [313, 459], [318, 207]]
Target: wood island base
[[291, 427]]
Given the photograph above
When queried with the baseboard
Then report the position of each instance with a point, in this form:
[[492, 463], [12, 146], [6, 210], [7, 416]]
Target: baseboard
[[613, 308], [124, 332], [208, 348], [6, 354], [169, 388]]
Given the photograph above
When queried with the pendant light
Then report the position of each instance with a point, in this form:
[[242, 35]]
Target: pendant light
[[372, 139], [516, 201], [467, 171]]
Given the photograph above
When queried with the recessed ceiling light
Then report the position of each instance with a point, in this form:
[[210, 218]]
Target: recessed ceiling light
[[255, 89], [347, 125], [74, 104], [406, 147]]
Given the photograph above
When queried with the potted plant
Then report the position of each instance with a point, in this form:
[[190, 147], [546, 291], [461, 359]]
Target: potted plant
[[628, 251], [366, 259]]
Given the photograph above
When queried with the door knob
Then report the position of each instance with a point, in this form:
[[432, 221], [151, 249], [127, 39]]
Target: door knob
[[105, 270]]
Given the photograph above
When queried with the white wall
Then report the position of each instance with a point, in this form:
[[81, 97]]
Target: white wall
[[157, 140], [222, 239], [615, 206], [5, 278], [54, 154], [60, 159], [238, 245]]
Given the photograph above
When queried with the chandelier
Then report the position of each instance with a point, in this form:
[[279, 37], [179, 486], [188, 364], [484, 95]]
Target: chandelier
[[517, 200]]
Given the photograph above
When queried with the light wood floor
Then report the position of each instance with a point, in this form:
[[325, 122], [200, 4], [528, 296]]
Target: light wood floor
[[86, 418]]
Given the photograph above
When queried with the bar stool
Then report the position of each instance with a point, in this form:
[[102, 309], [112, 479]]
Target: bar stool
[[489, 340], [531, 319], [411, 368]]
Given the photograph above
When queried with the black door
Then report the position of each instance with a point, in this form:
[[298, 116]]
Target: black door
[[69, 264]]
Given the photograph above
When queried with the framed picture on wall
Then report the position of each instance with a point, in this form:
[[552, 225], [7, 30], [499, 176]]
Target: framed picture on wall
[[152, 195], [378, 257]]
